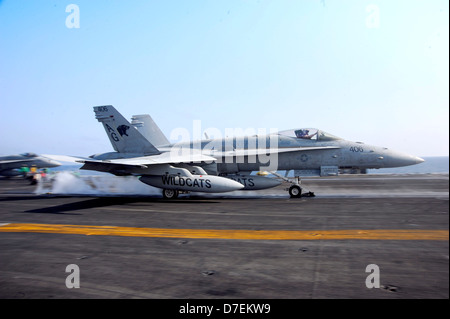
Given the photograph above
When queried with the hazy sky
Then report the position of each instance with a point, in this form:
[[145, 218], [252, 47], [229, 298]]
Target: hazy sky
[[372, 71]]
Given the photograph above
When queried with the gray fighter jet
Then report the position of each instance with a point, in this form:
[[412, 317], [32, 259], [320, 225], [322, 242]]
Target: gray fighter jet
[[10, 165], [226, 164]]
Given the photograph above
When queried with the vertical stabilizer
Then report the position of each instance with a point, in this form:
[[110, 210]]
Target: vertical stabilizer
[[124, 137], [148, 128]]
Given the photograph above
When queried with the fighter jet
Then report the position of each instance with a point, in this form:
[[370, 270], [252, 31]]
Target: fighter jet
[[226, 164], [10, 165]]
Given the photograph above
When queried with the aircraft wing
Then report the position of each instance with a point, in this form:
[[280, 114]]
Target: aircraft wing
[[113, 168], [126, 165], [166, 158], [16, 161]]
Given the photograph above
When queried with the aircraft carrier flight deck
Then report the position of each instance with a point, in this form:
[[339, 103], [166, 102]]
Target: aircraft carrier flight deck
[[237, 245]]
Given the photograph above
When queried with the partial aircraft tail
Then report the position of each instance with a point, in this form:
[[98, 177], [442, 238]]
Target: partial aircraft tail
[[124, 137], [148, 128]]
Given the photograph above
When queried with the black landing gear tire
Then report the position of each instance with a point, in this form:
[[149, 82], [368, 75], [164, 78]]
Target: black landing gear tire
[[170, 193], [295, 191]]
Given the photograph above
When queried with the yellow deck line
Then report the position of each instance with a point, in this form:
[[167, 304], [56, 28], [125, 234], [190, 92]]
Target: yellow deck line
[[375, 234]]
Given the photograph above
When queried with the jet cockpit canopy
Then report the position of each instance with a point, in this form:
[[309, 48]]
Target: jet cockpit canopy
[[29, 155], [309, 134]]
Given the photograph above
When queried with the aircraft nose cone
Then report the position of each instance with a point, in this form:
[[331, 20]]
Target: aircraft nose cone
[[397, 159], [419, 160]]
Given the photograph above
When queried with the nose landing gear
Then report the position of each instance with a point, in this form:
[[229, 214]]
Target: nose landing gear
[[295, 190]]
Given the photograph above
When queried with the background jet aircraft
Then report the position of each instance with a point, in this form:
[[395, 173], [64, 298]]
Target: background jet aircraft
[[10, 165], [222, 165]]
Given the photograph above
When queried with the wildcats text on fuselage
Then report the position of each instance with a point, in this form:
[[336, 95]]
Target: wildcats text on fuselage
[[194, 183]]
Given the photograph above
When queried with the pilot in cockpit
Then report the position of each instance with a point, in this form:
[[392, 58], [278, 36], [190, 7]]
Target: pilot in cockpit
[[304, 134]]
